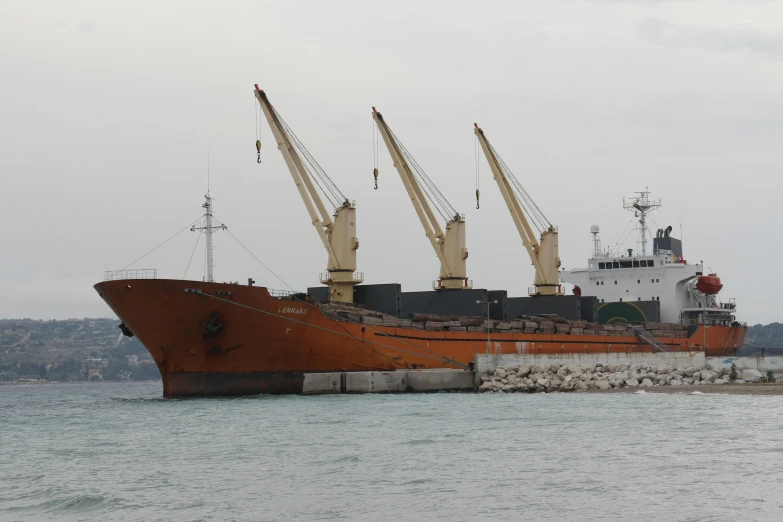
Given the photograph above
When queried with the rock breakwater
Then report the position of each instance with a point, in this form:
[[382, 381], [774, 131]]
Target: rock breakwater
[[599, 376]]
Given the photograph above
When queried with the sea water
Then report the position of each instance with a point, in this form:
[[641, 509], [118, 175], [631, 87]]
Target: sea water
[[121, 452]]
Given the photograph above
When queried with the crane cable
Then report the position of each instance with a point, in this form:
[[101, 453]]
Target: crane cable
[[329, 189], [257, 109], [476, 157], [536, 215], [375, 153], [436, 197]]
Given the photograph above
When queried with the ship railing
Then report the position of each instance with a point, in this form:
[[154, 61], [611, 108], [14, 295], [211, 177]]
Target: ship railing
[[136, 273], [467, 284], [281, 293], [326, 277]]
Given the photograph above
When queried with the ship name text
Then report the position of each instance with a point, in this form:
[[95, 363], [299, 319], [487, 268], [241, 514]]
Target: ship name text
[[289, 310]]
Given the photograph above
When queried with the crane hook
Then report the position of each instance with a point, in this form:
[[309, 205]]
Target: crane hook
[[375, 174], [477, 198], [258, 148]]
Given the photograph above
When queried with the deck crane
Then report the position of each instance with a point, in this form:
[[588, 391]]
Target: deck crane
[[449, 246], [338, 235], [543, 254]]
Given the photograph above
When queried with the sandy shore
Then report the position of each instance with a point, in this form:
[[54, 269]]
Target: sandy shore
[[727, 389]]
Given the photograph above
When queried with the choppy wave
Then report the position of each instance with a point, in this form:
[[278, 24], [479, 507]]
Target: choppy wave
[[109, 452]]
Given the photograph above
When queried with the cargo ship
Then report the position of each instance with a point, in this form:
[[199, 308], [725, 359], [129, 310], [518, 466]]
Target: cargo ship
[[222, 339]]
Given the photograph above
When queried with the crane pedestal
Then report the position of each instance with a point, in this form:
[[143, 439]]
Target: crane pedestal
[[341, 284], [453, 284]]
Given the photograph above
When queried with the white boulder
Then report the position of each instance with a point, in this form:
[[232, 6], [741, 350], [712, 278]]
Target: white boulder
[[708, 375], [603, 384], [751, 375], [486, 386]]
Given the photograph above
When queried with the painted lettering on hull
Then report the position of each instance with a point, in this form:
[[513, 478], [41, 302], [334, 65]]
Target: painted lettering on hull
[[290, 310]]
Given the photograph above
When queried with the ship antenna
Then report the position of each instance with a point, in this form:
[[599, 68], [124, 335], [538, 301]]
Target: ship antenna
[[681, 221], [641, 205], [208, 227]]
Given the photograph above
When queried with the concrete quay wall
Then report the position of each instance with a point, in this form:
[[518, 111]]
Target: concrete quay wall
[[411, 381], [762, 364]]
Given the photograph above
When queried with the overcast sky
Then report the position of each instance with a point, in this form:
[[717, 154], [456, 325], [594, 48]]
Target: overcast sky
[[108, 109]]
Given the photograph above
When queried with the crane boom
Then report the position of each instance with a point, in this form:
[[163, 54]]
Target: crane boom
[[449, 246], [338, 235], [544, 255]]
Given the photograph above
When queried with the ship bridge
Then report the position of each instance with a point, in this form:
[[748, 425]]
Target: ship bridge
[[663, 276]]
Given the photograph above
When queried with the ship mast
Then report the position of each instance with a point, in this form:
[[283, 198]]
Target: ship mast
[[641, 205], [544, 255], [208, 227], [339, 235], [449, 246]]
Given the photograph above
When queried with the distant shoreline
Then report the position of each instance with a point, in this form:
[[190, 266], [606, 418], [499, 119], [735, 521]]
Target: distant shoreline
[[9, 383]]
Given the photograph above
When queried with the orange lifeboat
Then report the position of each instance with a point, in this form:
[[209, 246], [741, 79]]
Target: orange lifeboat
[[709, 284]]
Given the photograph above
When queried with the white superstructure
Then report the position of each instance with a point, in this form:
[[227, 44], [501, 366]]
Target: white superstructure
[[662, 275]]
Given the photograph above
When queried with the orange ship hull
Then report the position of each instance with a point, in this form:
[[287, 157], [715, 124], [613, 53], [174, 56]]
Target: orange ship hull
[[224, 339]]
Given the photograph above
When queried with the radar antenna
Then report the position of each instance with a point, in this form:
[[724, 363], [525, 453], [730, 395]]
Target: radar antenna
[[641, 205]]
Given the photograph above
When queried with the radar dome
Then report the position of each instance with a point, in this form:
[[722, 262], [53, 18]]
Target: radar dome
[[594, 229]]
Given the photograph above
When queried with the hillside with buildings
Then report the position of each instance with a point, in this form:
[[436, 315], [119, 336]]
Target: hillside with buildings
[[71, 350], [767, 338]]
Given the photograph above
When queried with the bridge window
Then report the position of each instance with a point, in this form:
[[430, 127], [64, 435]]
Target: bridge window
[[601, 266], [621, 299], [615, 282], [636, 264], [657, 280], [652, 280], [638, 281], [625, 264], [615, 265], [597, 283]]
